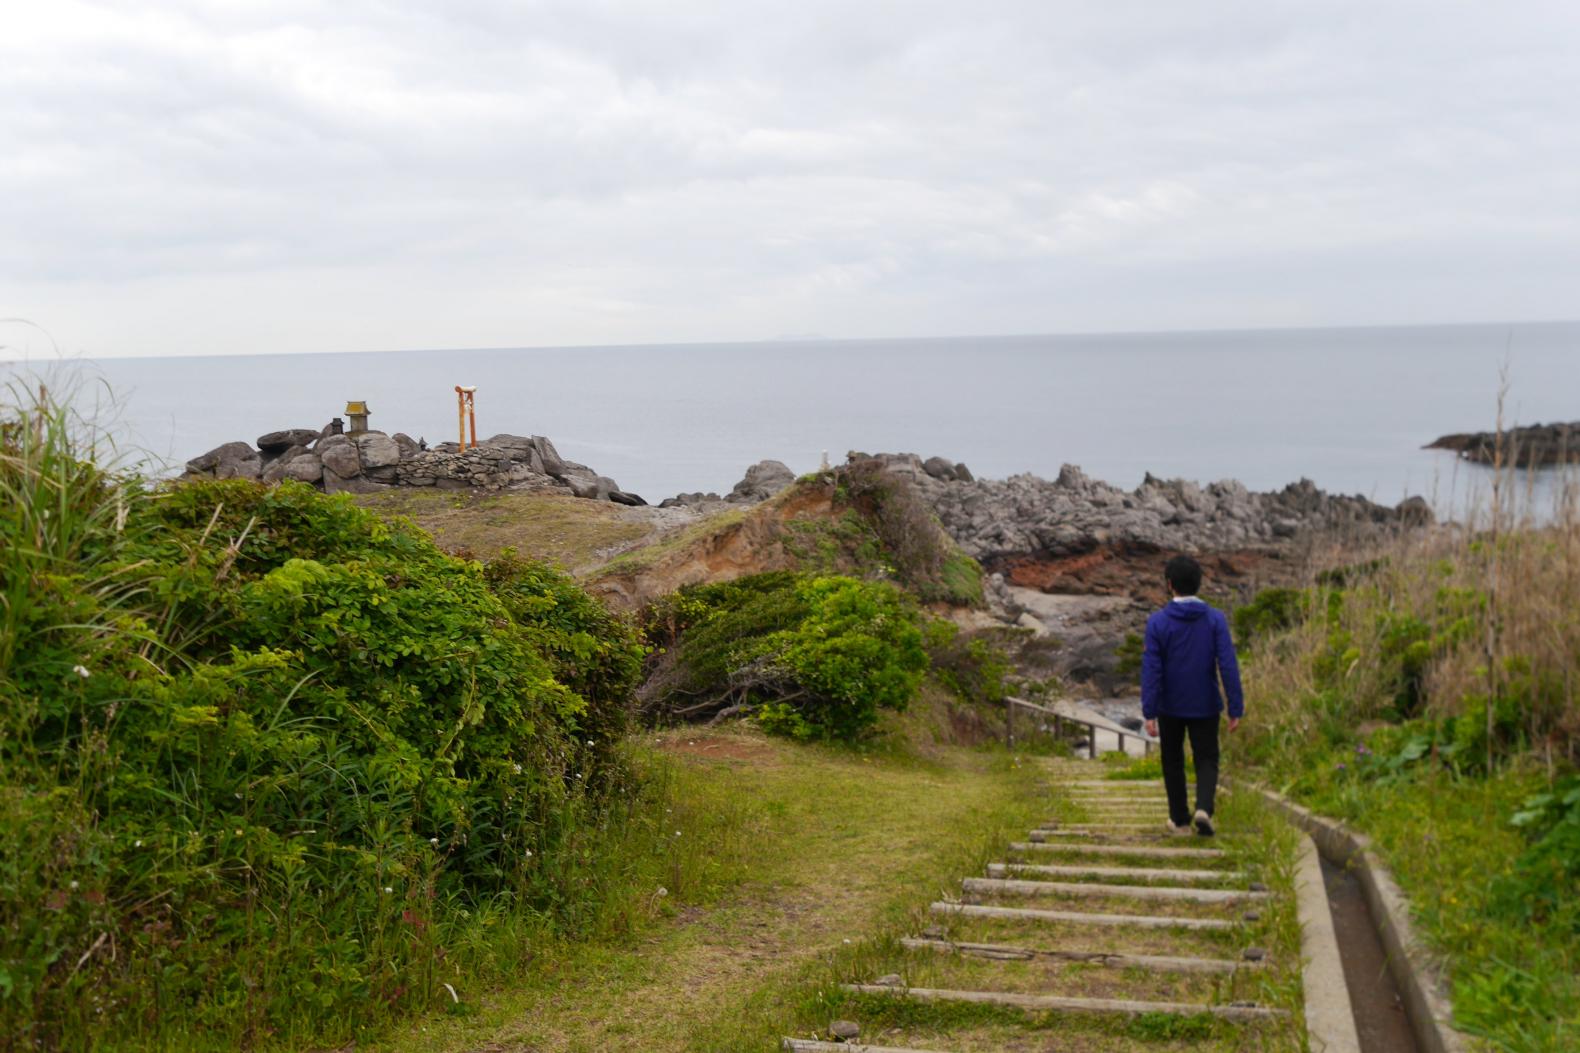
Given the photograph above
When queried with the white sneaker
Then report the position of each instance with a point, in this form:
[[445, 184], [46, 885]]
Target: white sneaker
[[1203, 823]]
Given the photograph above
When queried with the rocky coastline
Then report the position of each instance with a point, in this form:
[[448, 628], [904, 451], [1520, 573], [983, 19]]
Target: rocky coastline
[[1072, 563], [999, 519], [1531, 446]]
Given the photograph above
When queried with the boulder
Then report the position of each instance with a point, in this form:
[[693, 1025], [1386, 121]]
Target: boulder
[[620, 497], [376, 449], [762, 481], [276, 441], [306, 468], [335, 483], [234, 460], [584, 482], [963, 474], [939, 469], [553, 463], [408, 445], [276, 467], [339, 457]]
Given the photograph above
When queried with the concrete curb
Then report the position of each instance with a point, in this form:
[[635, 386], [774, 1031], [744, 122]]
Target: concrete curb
[[1420, 982], [1330, 1019]]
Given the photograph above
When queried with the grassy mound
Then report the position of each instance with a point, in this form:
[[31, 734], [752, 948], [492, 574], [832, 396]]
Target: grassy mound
[[266, 759]]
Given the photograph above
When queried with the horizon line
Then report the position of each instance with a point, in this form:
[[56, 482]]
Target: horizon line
[[790, 340]]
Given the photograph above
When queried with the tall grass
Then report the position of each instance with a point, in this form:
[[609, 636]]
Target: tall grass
[[1425, 689]]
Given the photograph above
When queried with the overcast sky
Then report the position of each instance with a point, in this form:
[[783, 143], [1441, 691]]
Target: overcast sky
[[363, 174]]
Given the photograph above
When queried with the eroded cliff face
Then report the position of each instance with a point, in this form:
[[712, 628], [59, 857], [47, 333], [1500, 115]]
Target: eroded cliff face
[[730, 544]]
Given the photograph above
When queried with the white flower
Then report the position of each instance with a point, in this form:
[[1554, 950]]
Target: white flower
[[529, 853], [677, 833], [81, 671], [518, 769], [73, 884], [589, 742], [662, 891], [388, 890], [137, 844], [433, 840]]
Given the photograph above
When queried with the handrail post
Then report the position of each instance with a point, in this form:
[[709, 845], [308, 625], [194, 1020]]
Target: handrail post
[[1092, 740]]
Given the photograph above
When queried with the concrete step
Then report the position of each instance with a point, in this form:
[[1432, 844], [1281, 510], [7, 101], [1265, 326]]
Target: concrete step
[[1099, 871], [1097, 828], [807, 1045], [1142, 851], [1108, 959], [1079, 917], [1066, 1004], [1162, 893]]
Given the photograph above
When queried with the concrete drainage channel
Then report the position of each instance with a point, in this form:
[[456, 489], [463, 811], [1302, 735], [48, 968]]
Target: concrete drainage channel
[[1396, 993], [1081, 914]]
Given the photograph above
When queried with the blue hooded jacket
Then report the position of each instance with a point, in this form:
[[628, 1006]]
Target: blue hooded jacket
[[1187, 650]]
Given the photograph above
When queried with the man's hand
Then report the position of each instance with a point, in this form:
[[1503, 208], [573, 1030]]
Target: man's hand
[[1234, 722], [1152, 729]]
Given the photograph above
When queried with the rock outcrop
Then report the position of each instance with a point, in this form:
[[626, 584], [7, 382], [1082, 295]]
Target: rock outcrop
[[1533, 446], [1023, 514], [372, 460], [762, 481]]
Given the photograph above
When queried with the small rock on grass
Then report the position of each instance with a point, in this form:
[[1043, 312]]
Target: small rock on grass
[[844, 1030], [1257, 886], [1253, 954], [891, 980]]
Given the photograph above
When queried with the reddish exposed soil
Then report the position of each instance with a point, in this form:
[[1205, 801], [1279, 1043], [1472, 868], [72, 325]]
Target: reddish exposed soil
[[1136, 571]]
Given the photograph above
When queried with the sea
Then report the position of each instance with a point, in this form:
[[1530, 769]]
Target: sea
[[1349, 408]]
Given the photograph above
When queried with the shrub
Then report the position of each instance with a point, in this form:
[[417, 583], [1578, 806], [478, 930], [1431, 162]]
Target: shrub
[[1270, 611], [833, 649], [975, 667], [261, 752]]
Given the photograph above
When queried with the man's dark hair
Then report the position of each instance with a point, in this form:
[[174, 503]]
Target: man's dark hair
[[1184, 575]]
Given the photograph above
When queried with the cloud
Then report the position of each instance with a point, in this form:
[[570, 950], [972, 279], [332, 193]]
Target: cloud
[[249, 176]]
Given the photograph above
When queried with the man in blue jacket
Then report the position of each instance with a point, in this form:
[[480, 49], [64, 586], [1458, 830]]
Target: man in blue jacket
[[1187, 652]]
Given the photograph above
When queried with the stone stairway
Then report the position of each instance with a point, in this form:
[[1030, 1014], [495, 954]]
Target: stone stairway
[[1099, 913]]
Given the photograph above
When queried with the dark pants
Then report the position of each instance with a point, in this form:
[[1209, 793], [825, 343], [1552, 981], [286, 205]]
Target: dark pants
[[1203, 732]]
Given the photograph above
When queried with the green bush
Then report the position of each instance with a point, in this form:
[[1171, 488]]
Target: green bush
[[1270, 611], [262, 755], [975, 667], [833, 649]]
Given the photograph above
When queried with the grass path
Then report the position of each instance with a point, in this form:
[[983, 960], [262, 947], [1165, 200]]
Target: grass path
[[842, 844]]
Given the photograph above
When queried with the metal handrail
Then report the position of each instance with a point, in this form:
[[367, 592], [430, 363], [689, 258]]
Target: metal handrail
[[1010, 702]]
